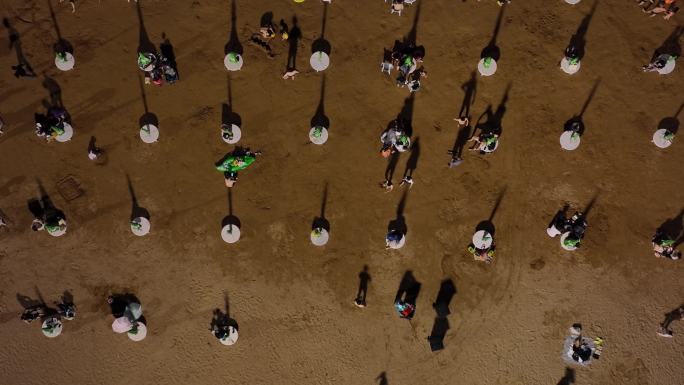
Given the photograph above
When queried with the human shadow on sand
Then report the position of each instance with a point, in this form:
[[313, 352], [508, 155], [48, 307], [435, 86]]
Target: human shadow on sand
[[23, 67], [295, 34], [409, 289], [447, 290], [399, 222]]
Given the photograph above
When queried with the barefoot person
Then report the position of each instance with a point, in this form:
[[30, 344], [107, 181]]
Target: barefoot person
[[664, 246], [675, 315]]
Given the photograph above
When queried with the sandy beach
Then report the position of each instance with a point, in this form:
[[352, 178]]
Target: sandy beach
[[294, 301]]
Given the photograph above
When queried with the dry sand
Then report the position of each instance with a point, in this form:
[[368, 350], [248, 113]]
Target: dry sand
[[293, 301]]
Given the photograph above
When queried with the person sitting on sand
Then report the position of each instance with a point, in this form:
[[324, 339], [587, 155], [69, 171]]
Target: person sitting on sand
[[668, 7], [484, 142], [675, 315], [239, 160], [406, 310], [394, 139], [658, 63], [664, 246], [484, 255], [576, 226]]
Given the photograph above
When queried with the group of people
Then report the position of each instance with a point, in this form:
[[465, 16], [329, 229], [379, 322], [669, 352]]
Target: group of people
[[53, 124], [158, 68], [408, 60], [51, 318], [654, 7]]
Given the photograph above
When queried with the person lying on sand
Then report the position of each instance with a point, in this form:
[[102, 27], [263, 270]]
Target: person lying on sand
[[290, 74], [675, 315], [238, 160], [668, 7]]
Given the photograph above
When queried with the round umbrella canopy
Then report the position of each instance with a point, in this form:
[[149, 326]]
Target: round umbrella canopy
[[489, 149], [233, 61], [663, 138], [65, 61], [318, 135], [319, 61], [482, 240], [121, 325], [573, 2], [487, 66], [149, 133], [669, 67], [140, 226], [58, 230], [569, 140], [232, 136], [319, 236], [230, 338], [52, 327], [568, 67], [396, 244], [562, 242], [138, 333], [67, 134], [230, 233]]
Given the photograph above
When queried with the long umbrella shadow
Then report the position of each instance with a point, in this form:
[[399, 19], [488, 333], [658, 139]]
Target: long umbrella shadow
[[230, 219], [321, 221], [136, 210], [578, 42], [233, 44], [321, 44], [671, 44], [488, 224], [148, 117], [144, 43], [671, 123], [412, 36], [62, 45], [492, 50], [319, 118], [576, 122], [228, 115]]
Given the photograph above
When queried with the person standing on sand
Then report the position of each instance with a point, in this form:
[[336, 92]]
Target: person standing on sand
[[675, 315]]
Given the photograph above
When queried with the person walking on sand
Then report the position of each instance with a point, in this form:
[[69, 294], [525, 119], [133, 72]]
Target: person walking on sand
[[675, 315]]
